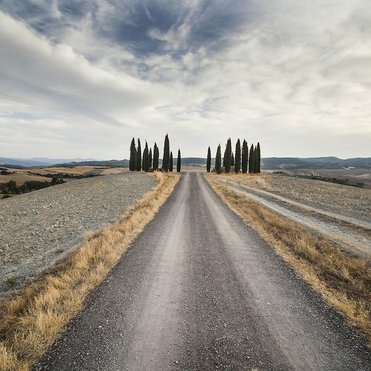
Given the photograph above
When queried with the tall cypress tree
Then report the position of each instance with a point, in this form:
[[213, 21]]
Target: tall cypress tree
[[218, 160], [237, 161], [228, 156], [150, 158], [133, 156], [208, 162], [245, 156], [171, 162], [179, 162], [258, 158], [156, 154], [251, 159], [166, 158], [145, 161], [139, 156]]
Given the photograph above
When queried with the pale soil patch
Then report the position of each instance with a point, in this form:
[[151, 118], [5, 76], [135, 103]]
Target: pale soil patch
[[344, 281], [39, 174], [20, 177], [32, 320]]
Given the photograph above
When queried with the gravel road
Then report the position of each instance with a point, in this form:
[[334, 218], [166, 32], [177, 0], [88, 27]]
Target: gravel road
[[40, 227], [200, 290]]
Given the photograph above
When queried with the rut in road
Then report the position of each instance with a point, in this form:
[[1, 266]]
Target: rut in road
[[199, 289]]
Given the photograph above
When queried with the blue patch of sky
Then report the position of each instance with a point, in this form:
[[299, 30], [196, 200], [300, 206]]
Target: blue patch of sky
[[131, 22]]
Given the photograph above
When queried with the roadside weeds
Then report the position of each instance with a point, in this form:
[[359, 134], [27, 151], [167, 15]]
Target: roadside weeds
[[32, 320], [343, 281]]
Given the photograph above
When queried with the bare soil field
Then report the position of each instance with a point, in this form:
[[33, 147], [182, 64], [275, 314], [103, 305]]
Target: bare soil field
[[41, 173], [354, 175], [40, 227]]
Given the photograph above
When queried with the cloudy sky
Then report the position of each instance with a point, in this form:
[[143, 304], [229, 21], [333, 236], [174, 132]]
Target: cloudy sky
[[80, 78]]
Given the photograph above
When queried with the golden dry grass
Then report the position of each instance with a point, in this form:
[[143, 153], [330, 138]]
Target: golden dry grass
[[33, 319], [344, 281]]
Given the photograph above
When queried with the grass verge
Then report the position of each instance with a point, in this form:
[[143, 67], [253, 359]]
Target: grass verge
[[31, 321], [344, 281]]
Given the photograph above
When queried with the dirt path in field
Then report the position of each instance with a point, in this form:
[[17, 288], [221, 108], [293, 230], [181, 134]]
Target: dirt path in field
[[353, 234], [199, 290]]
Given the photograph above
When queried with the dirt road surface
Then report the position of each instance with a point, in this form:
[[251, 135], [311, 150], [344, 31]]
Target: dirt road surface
[[200, 290]]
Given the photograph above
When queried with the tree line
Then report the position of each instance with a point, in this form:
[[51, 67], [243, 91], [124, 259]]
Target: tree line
[[149, 161], [243, 160]]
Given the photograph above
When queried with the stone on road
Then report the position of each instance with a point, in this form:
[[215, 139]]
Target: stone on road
[[200, 290]]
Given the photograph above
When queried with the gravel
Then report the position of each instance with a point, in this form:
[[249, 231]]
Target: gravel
[[39, 228], [200, 290]]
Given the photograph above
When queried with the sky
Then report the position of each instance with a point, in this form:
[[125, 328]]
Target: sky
[[80, 78]]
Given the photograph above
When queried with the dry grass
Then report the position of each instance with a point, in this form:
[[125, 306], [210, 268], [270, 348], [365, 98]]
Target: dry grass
[[344, 281], [32, 320]]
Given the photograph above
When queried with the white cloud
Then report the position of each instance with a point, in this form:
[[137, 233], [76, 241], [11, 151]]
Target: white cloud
[[295, 77]]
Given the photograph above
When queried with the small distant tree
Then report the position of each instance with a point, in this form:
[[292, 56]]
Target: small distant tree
[[156, 154], [245, 156], [171, 162], [150, 158], [237, 161], [145, 162], [258, 158], [139, 156], [208, 162], [218, 160], [133, 156], [228, 156], [179, 162], [166, 158], [232, 159], [251, 159]]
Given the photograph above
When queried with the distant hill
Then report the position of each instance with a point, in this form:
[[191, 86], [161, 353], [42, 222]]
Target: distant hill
[[34, 162], [108, 163], [272, 163], [294, 163]]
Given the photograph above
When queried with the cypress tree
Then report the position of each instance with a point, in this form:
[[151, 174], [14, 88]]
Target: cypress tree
[[208, 162], [228, 156], [232, 159], [218, 160], [156, 155], [150, 158], [133, 156], [179, 162], [237, 161], [224, 156], [245, 156], [166, 158], [145, 161], [258, 158], [171, 162], [139, 156], [251, 159]]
